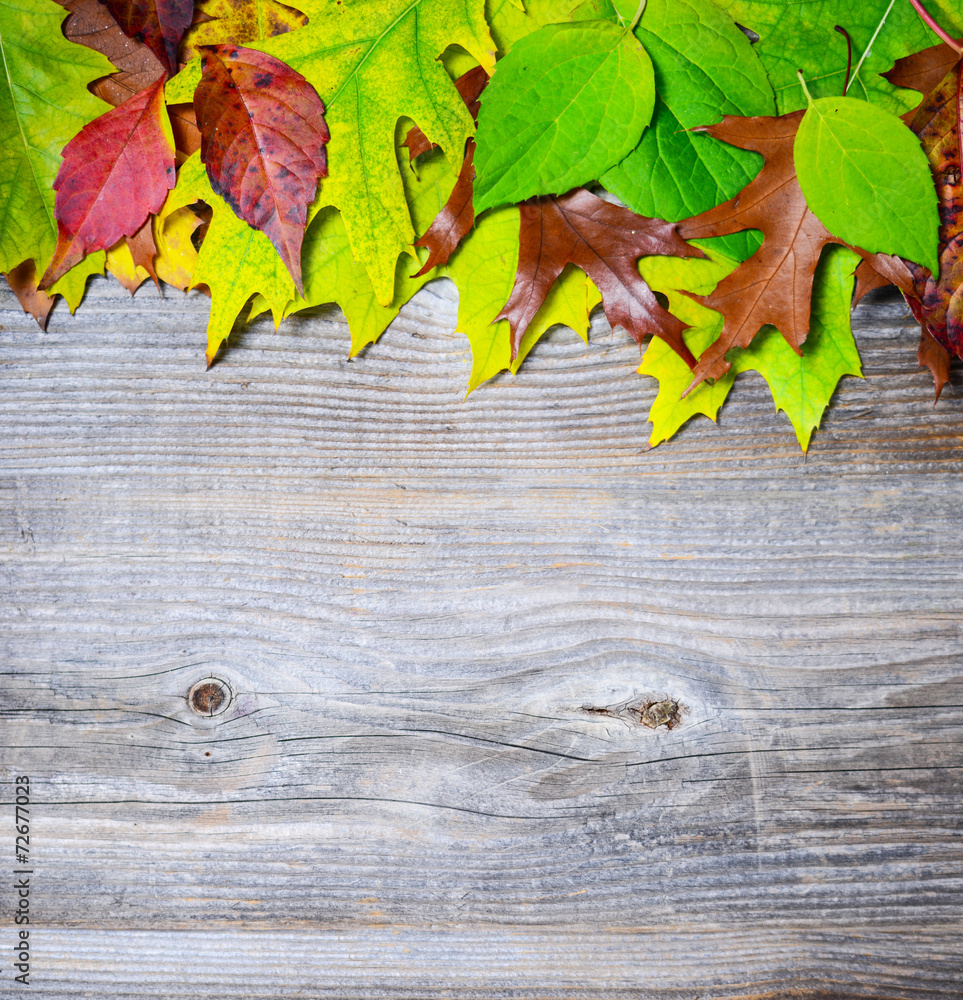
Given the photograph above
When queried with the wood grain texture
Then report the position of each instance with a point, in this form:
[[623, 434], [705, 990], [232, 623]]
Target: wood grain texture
[[439, 620]]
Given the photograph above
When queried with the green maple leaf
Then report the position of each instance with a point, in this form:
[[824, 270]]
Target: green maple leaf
[[484, 269], [801, 386], [704, 68], [235, 260], [800, 36], [44, 102]]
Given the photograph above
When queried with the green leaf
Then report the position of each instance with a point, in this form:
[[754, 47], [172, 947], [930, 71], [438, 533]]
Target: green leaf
[[235, 260], [374, 62], [44, 102], [566, 103], [794, 36], [802, 386], [867, 179], [704, 68], [483, 268]]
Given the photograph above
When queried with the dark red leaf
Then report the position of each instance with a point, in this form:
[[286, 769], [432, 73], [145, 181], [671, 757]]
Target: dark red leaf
[[263, 139], [933, 355], [454, 221], [606, 242], [116, 171], [160, 24]]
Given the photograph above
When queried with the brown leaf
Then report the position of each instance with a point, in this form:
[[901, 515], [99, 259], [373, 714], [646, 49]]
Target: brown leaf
[[606, 242], [91, 24], [116, 171], [160, 24], [187, 136], [868, 279], [775, 284], [923, 71], [143, 249], [454, 221], [23, 283], [263, 138], [469, 85], [933, 355]]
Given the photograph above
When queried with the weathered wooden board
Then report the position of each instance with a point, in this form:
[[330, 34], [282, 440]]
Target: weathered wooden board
[[437, 622]]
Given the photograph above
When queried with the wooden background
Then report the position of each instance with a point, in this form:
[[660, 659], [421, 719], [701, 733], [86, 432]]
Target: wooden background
[[439, 621]]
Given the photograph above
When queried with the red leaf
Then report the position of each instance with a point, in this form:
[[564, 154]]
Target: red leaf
[[263, 139], [116, 171], [605, 241], [160, 24]]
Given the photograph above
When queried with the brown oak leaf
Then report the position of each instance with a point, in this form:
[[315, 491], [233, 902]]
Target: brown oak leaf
[[774, 285], [469, 86], [923, 71], [606, 242]]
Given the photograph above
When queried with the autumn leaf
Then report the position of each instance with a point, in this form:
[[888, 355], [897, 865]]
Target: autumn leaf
[[457, 216], [774, 285], [937, 300], [92, 25], [802, 385], [173, 230], [263, 138], [484, 271], [605, 241], [160, 24], [120, 263], [238, 22], [24, 284], [568, 102], [235, 261], [923, 71], [116, 172]]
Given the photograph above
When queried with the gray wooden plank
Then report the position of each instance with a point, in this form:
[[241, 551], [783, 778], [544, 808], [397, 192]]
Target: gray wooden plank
[[439, 620]]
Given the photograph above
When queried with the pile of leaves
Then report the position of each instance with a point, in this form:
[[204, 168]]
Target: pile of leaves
[[717, 175]]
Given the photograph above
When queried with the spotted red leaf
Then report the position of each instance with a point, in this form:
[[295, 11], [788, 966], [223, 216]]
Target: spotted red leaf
[[160, 24], [263, 139], [116, 171], [606, 242]]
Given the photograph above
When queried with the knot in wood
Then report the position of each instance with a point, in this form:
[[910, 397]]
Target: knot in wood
[[209, 697]]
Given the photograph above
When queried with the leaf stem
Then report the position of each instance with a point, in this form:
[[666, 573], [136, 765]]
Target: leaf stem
[[869, 47], [638, 15], [809, 97], [849, 55], [934, 27]]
